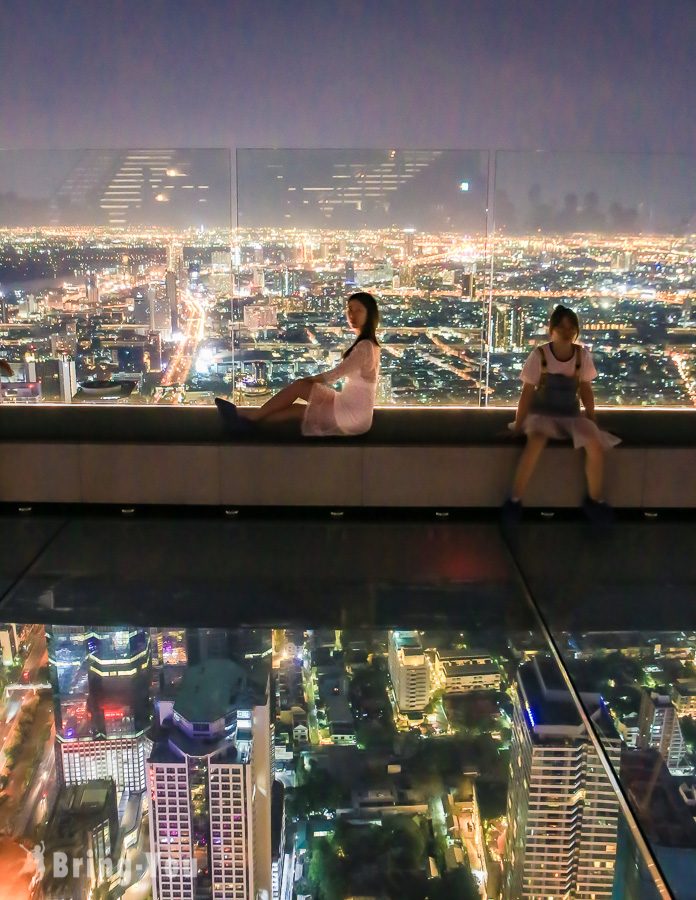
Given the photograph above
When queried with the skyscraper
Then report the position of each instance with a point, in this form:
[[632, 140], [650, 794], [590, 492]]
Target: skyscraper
[[101, 681], [92, 290], [209, 782], [170, 281], [659, 729], [562, 812], [409, 670], [507, 327], [141, 305]]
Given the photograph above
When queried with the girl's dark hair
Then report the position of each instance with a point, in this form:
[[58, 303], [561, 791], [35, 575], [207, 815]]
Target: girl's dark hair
[[563, 312], [369, 329]]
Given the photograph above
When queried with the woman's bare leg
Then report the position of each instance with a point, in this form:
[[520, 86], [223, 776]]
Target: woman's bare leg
[[283, 400], [527, 464], [594, 470], [294, 413]]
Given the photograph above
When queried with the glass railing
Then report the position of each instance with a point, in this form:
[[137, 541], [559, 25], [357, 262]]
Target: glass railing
[[114, 273], [429, 733], [613, 237], [170, 276], [408, 225]]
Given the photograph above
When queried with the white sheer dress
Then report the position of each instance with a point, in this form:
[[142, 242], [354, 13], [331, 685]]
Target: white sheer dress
[[349, 411]]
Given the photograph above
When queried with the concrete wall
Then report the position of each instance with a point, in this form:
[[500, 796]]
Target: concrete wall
[[266, 474]]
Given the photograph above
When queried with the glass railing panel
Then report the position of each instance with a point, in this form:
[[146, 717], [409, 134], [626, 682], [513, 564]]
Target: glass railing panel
[[408, 225], [625, 629], [412, 737], [114, 274], [612, 237]]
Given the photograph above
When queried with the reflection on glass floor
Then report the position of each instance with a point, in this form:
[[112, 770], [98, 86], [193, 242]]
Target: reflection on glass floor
[[232, 709]]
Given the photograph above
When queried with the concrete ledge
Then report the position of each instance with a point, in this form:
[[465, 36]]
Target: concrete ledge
[[411, 458], [342, 476]]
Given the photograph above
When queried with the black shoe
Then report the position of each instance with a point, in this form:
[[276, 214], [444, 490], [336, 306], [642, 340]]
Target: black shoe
[[511, 512], [232, 420], [597, 511]]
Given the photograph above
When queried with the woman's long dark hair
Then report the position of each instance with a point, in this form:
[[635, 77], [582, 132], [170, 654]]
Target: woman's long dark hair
[[369, 329]]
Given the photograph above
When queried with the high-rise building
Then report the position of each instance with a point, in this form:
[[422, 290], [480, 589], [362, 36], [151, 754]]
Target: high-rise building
[[92, 289], [507, 327], [9, 642], [153, 362], [409, 670], [57, 376], [684, 697], [659, 729], [101, 682], [258, 279], [209, 783], [171, 287], [468, 286], [160, 311], [67, 379], [409, 236], [84, 826], [141, 305], [562, 812], [349, 276]]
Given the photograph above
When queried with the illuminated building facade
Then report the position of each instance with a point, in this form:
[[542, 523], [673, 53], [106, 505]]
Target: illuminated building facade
[[562, 812], [101, 680], [409, 670], [209, 783], [659, 729]]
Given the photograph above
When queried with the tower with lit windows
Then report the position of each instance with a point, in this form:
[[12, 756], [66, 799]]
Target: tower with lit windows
[[659, 729], [562, 812], [209, 785], [409, 671], [101, 682]]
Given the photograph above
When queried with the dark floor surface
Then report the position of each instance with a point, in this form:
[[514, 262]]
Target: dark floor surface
[[315, 570]]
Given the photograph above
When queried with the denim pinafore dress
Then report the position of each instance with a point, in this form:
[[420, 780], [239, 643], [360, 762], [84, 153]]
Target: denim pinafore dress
[[555, 394]]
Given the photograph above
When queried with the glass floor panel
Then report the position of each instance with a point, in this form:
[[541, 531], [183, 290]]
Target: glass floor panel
[[623, 621], [209, 707]]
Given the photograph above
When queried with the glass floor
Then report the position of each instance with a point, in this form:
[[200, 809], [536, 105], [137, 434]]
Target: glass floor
[[248, 706]]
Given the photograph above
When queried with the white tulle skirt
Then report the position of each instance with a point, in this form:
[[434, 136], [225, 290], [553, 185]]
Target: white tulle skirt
[[580, 430]]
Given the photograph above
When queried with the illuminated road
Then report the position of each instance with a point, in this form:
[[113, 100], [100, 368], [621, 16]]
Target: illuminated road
[[194, 329]]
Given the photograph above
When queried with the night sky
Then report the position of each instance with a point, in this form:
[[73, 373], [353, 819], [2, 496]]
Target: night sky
[[581, 74]]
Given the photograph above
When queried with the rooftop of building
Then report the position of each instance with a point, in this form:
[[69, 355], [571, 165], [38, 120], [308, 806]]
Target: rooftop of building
[[471, 653], [548, 704], [213, 689]]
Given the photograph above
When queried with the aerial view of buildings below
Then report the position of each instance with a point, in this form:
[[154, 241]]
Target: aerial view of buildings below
[[125, 277], [276, 763]]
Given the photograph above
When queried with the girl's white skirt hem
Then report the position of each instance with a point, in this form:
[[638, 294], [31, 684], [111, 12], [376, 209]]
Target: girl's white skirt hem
[[581, 430]]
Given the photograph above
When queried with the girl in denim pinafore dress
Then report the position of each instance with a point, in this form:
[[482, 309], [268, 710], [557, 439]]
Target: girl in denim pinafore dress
[[557, 378]]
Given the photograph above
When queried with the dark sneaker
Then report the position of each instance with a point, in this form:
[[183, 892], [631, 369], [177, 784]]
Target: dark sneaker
[[232, 420], [511, 512], [597, 511]]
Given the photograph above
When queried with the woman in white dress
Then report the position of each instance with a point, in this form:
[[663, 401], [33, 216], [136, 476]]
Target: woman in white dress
[[326, 410]]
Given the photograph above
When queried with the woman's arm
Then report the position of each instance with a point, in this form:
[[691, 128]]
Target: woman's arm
[[524, 405], [587, 398], [351, 363]]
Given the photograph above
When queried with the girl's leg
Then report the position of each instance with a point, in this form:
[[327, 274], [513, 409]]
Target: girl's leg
[[526, 465], [594, 470], [283, 400]]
